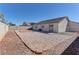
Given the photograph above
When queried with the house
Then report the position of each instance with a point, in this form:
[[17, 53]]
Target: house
[[61, 24], [27, 24]]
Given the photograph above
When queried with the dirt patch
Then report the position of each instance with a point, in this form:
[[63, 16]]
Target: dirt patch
[[12, 45]]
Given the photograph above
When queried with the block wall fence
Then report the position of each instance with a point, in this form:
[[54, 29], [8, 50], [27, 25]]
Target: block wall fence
[[3, 30]]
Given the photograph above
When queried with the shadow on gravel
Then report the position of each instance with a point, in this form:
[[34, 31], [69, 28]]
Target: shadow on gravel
[[73, 49]]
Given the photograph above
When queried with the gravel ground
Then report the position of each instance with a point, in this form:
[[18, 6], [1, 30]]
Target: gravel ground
[[40, 42], [12, 45], [73, 49]]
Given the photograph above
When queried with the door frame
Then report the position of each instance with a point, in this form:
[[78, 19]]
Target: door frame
[[51, 27]]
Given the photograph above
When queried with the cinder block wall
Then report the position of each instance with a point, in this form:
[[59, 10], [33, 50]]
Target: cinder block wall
[[3, 30]]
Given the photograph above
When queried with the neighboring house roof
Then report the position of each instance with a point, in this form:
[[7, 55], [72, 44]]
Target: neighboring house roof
[[28, 24], [55, 20], [74, 22]]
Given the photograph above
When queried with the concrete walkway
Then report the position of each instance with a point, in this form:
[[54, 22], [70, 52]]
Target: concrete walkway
[[12, 45]]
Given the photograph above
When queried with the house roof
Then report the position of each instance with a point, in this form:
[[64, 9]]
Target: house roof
[[55, 20]]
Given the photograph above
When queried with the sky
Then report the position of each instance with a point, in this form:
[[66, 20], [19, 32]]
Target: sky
[[18, 13]]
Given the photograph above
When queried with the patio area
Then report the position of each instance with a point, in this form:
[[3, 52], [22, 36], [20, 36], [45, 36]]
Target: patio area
[[42, 43]]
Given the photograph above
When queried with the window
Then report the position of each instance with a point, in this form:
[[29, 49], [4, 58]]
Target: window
[[42, 26], [35, 26], [51, 25]]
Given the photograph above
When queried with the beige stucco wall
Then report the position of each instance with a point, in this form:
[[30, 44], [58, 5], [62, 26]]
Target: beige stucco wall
[[57, 27], [3, 30], [62, 25], [73, 26], [46, 27]]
